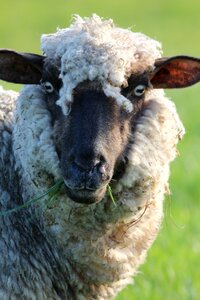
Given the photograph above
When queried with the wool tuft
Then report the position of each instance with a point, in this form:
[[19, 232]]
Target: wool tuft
[[95, 49]]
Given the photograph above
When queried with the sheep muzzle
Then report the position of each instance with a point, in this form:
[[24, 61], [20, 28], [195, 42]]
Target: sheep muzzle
[[86, 180], [90, 142]]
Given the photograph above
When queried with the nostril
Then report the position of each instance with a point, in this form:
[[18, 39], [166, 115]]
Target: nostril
[[86, 165], [80, 165], [88, 161], [102, 159]]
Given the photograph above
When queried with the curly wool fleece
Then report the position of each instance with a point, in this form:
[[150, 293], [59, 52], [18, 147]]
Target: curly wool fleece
[[94, 49], [98, 240]]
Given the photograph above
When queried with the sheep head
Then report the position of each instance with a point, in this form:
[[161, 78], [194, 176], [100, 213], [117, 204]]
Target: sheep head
[[94, 113], [92, 141]]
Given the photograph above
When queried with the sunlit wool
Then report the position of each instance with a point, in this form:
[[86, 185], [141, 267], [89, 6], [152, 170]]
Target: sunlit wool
[[103, 52]]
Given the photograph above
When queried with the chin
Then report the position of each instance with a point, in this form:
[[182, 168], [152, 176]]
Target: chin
[[86, 196]]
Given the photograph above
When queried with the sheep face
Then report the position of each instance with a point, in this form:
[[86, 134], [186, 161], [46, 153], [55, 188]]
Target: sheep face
[[92, 142]]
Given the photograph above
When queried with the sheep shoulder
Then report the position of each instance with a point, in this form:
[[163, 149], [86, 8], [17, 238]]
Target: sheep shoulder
[[23, 243]]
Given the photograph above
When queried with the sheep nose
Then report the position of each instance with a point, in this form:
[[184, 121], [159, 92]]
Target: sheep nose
[[86, 172], [86, 177], [86, 165], [90, 165]]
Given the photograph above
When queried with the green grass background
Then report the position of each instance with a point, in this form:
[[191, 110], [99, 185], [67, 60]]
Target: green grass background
[[172, 269]]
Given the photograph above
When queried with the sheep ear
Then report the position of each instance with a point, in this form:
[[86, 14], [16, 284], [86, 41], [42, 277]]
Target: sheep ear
[[20, 67], [175, 72]]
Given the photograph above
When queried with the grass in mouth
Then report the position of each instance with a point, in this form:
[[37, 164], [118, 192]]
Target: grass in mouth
[[52, 192], [110, 193]]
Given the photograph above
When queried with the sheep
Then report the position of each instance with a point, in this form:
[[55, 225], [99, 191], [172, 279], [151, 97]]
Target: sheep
[[92, 114]]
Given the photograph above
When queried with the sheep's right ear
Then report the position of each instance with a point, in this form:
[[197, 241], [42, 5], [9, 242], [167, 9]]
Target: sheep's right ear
[[20, 67]]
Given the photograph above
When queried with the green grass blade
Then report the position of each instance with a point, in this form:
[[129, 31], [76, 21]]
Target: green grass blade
[[111, 195], [52, 191]]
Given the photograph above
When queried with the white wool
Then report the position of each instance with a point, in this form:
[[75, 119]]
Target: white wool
[[114, 92], [99, 239], [94, 49], [34, 147], [7, 102]]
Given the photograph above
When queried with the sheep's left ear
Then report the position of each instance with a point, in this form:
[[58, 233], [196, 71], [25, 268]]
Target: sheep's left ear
[[19, 67], [175, 72]]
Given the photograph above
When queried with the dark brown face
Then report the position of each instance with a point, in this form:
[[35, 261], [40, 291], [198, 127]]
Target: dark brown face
[[92, 141]]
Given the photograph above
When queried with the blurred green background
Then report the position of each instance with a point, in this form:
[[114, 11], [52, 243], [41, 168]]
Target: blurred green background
[[172, 269]]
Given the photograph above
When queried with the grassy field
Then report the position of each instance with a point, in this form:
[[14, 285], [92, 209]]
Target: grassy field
[[172, 269]]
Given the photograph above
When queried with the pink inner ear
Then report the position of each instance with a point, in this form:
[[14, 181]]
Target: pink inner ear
[[177, 72]]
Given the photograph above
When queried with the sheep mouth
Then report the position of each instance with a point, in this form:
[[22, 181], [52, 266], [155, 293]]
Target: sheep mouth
[[85, 195]]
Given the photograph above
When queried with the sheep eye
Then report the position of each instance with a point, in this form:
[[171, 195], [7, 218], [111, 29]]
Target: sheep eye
[[139, 90], [48, 87]]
